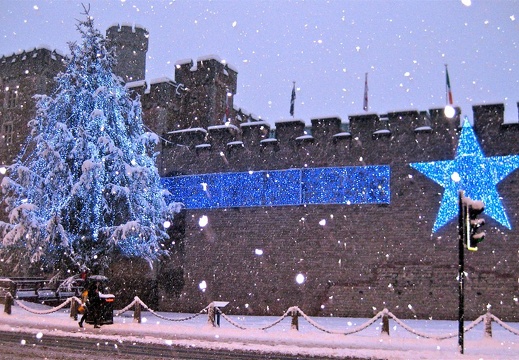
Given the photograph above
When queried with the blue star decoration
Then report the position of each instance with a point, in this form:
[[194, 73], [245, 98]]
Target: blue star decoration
[[472, 172]]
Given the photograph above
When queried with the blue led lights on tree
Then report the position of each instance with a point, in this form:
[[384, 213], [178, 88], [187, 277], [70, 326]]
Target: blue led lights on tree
[[86, 188], [472, 172]]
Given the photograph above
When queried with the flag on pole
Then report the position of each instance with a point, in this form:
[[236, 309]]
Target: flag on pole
[[448, 87], [366, 93], [293, 100]]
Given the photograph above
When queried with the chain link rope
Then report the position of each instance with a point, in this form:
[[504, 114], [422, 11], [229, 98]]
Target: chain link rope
[[292, 310]]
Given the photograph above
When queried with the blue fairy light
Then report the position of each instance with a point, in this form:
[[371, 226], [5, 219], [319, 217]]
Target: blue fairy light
[[335, 185], [472, 172], [86, 183]]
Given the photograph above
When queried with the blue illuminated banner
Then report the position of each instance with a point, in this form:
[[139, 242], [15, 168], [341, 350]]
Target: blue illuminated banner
[[346, 185], [337, 185]]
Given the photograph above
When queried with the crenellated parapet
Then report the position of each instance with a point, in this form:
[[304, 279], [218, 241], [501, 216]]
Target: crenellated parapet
[[254, 133], [501, 136], [208, 88], [365, 139], [30, 63], [22, 76], [206, 70], [131, 45]]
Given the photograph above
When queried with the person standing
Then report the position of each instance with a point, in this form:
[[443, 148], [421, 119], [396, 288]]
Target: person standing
[[84, 305], [94, 302]]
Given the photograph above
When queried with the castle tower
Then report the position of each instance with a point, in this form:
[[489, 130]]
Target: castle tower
[[209, 86], [131, 45], [23, 75]]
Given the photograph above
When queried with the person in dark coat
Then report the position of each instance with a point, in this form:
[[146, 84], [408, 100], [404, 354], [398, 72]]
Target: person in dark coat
[[94, 303]]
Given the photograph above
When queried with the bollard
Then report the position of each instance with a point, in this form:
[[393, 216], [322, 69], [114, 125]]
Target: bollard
[[295, 320], [218, 312], [385, 323], [8, 303], [73, 309], [488, 324], [137, 312], [210, 313]]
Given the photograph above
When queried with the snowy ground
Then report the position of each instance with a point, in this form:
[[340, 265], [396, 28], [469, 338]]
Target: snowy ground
[[400, 344]]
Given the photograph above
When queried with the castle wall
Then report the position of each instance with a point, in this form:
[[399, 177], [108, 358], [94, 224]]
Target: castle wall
[[365, 257], [22, 76], [131, 45]]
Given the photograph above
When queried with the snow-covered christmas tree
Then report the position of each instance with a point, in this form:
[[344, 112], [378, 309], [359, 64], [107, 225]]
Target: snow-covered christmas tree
[[85, 188]]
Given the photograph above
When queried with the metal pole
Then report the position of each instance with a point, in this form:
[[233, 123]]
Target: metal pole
[[461, 270]]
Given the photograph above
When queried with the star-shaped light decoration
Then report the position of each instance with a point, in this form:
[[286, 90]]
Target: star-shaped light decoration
[[472, 172]]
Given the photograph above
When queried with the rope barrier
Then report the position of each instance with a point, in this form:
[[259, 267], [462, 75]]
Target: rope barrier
[[260, 328], [139, 301], [128, 307], [171, 319], [505, 326], [427, 336], [294, 310], [44, 312], [353, 331]]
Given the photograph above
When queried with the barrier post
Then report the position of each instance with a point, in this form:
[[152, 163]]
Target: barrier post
[[137, 311], [488, 324], [73, 308], [295, 320], [385, 323], [215, 311], [210, 313], [8, 303]]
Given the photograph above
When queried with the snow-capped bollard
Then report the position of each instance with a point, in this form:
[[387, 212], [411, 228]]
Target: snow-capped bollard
[[210, 313], [215, 312], [73, 308], [488, 324], [8, 303], [385, 323], [137, 311], [295, 319]]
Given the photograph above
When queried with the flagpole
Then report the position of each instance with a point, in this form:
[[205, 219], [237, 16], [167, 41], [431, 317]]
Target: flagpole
[[446, 87], [448, 90], [293, 99], [365, 104]]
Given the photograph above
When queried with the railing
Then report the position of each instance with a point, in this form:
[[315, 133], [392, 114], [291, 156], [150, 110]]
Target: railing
[[294, 312]]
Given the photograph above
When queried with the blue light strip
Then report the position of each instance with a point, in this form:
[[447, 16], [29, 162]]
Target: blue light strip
[[337, 185], [346, 185]]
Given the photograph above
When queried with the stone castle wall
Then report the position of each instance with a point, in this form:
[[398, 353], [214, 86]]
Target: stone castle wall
[[23, 75], [364, 257]]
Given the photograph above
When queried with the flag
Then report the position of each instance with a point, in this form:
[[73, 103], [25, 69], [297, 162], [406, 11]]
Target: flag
[[366, 93], [293, 99], [448, 87]]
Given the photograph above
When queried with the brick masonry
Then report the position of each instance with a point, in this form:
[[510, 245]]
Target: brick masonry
[[366, 257]]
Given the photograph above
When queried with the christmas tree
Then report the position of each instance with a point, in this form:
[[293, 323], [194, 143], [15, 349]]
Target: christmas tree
[[85, 189]]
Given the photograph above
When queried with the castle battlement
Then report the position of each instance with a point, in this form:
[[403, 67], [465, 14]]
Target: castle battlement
[[206, 69], [128, 33], [131, 44], [365, 139], [29, 62]]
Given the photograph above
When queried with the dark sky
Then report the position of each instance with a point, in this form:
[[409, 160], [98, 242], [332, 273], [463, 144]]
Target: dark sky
[[325, 46]]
